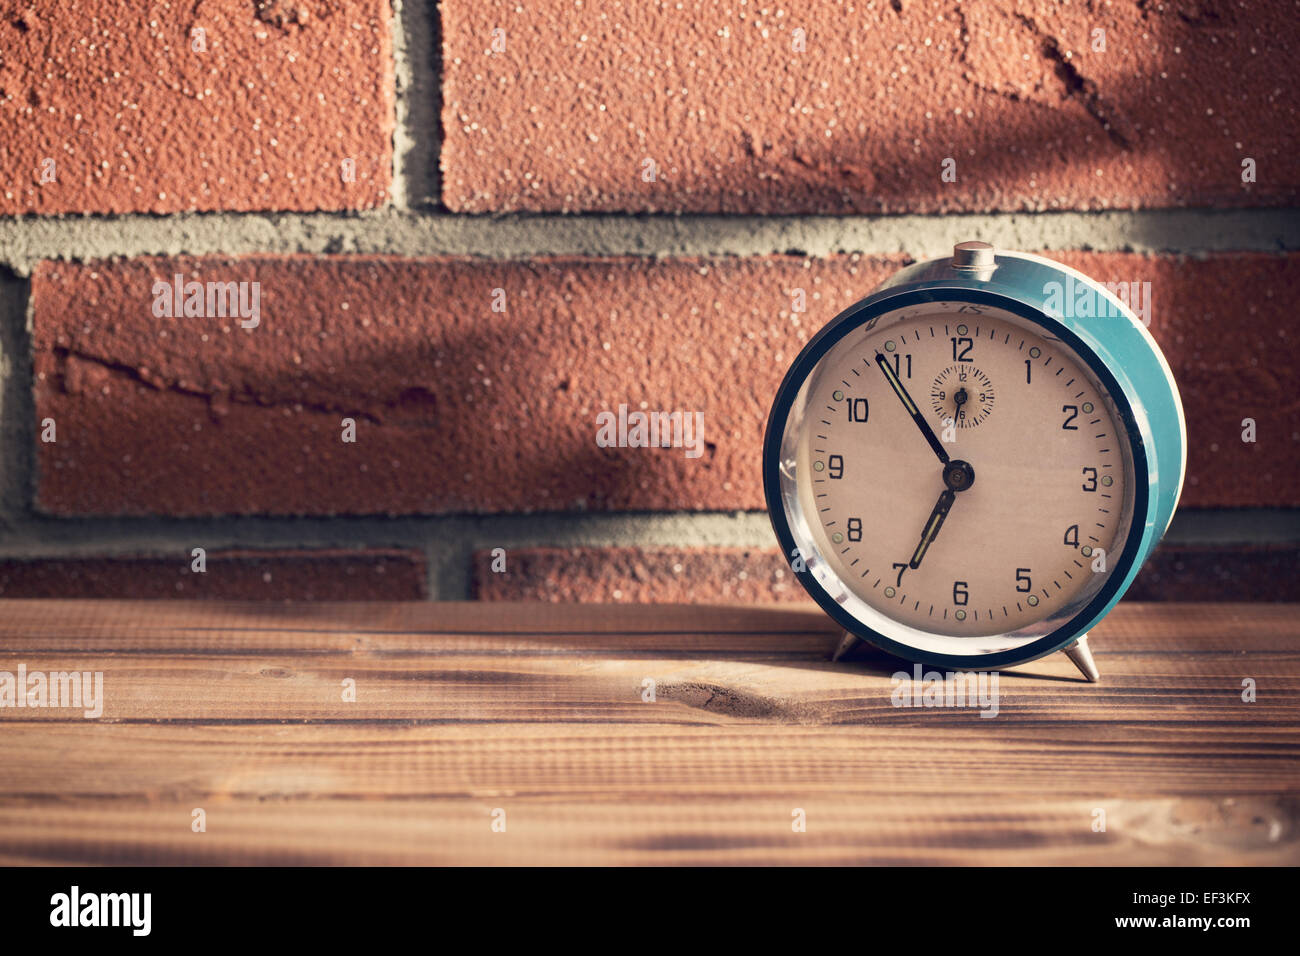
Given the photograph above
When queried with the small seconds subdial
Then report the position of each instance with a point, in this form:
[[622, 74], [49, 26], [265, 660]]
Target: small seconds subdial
[[962, 393]]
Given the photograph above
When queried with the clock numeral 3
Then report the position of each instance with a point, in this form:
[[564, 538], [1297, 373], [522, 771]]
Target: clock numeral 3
[[1091, 475]]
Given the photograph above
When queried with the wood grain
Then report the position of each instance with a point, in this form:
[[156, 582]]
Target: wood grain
[[537, 710]]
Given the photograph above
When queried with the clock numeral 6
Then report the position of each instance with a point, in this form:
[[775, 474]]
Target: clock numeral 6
[[1022, 577], [1091, 475], [959, 593], [835, 466]]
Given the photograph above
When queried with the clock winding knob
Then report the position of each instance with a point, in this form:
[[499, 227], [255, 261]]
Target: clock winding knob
[[976, 259]]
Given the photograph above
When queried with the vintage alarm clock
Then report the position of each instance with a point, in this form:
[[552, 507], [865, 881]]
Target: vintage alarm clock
[[969, 466]]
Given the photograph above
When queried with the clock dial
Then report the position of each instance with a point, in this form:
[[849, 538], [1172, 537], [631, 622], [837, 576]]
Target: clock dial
[[961, 471]]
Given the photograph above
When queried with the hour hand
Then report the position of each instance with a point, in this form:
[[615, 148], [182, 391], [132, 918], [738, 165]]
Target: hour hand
[[932, 526], [912, 410]]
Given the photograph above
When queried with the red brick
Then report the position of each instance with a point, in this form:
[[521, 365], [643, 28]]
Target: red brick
[[737, 121], [137, 121], [747, 575], [638, 576], [460, 409], [1219, 573], [323, 575]]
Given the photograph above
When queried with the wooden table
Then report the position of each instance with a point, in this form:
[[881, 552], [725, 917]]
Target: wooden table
[[463, 711]]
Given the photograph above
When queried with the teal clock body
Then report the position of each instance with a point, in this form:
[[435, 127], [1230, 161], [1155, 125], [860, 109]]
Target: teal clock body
[[970, 466]]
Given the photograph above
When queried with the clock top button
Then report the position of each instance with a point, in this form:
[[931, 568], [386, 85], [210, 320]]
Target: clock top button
[[973, 257]]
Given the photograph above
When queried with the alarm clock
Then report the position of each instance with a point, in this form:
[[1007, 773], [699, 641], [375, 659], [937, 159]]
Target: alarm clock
[[968, 467]]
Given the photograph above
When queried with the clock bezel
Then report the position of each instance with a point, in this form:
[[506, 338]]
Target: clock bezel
[[888, 300]]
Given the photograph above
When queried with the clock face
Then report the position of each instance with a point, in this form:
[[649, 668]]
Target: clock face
[[958, 479]]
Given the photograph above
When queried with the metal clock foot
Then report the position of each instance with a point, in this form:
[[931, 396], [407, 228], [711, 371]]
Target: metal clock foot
[[846, 645], [1082, 657]]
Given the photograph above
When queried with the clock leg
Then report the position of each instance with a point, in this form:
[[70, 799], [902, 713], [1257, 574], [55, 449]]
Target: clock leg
[[847, 644], [1082, 657]]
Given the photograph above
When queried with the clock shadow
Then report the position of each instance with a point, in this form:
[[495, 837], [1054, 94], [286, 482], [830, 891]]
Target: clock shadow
[[871, 660]]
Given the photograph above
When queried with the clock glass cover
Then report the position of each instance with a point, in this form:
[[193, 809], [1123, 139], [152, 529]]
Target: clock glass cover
[[957, 478]]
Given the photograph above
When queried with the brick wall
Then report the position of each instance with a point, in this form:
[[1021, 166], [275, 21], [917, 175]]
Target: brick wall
[[462, 231]]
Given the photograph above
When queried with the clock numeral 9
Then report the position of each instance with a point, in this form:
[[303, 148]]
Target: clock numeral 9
[[1091, 475], [1072, 536], [835, 466], [1022, 577], [1074, 413], [966, 345], [855, 529], [959, 593], [858, 409]]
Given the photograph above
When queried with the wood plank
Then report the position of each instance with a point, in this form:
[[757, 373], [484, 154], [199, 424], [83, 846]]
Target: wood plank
[[841, 830], [568, 685], [235, 627], [357, 761]]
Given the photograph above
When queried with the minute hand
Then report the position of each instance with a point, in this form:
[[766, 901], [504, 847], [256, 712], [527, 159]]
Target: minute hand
[[912, 410]]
